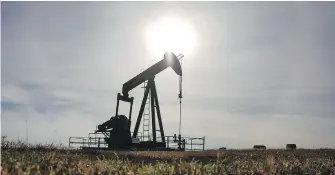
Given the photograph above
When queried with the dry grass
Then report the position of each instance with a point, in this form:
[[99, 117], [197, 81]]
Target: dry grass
[[47, 160]]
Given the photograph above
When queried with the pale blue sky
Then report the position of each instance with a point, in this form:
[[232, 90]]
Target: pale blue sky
[[261, 74]]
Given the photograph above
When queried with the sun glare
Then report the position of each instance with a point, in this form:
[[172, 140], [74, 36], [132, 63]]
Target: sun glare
[[170, 34]]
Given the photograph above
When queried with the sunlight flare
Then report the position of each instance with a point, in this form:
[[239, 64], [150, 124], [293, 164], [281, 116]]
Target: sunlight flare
[[170, 34]]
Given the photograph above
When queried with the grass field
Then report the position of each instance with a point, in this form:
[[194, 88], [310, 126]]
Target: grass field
[[20, 158]]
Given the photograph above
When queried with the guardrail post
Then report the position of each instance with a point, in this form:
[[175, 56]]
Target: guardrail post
[[191, 145], [203, 144], [99, 143]]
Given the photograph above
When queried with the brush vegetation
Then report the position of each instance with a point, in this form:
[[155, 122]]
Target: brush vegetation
[[20, 158]]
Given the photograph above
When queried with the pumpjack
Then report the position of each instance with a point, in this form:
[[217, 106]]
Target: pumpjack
[[117, 128]]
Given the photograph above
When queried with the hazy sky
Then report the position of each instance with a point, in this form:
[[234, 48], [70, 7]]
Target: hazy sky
[[262, 72]]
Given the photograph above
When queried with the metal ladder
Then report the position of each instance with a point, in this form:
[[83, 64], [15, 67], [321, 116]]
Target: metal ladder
[[146, 118]]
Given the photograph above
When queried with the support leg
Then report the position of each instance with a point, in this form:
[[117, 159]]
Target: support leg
[[153, 113], [154, 93], [130, 111]]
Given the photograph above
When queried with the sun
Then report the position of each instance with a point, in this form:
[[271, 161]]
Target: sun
[[170, 34]]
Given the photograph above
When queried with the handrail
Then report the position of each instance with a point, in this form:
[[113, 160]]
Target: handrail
[[99, 142]]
